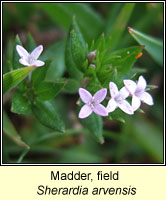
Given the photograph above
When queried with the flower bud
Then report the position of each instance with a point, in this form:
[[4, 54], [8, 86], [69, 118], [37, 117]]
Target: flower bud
[[91, 56]]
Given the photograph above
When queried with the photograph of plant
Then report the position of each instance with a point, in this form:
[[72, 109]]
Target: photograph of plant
[[83, 83]]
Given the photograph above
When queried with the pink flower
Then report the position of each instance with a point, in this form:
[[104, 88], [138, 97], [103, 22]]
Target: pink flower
[[30, 59], [138, 92], [92, 103], [118, 100]]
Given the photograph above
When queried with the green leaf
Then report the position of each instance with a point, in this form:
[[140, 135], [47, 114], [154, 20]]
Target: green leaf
[[20, 104], [57, 66], [39, 74], [153, 46], [16, 57], [146, 21], [48, 90], [11, 132], [118, 66], [131, 74], [88, 20], [95, 125], [78, 46], [13, 78], [70, 64], [119, 26], [114, 10], [100, 43], [107, 75], [71, 85], [46, 113], [100, 48], [123, 59], [93, 85], [30, 43]]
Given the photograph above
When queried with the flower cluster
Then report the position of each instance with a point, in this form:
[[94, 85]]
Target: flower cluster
[[93, 103], [117, 100]]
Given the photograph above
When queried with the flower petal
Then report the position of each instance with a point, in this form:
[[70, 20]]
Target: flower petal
[[135, 103], [126, 107], [124, 93], [100, 95], [130, 85], [113, 89], [38, 63], [22, 52], [100, 110], [147, 98], [36, 52], [85, 96], [85, 111], [141, 85], [111, 105], [23, 62]]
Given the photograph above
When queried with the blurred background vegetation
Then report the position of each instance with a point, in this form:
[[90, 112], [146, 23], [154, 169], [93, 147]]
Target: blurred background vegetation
[[139, 140]]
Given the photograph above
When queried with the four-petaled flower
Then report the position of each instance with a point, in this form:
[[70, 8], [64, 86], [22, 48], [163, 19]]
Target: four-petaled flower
[[92, 103], [118, 100], [138, 92], [30, 59]]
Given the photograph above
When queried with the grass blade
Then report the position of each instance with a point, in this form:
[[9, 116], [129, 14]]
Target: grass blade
[[119, 26], [153, 46], [11, 132], [13, 78]]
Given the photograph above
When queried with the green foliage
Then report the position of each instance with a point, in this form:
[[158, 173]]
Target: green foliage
[[149, 137], [100, 46], [32, 92], [146, 21], [77, 45], [45, 112], [114, 10], [11, 132], [13, 78], [47, 90], [71, 85], [95, 125], [117, 115], [30, 43], [78, 49], [39, 74], [73, 67], [117, 29], [57, 66], [20, 104], [86, 45], [152, 45], [123, 59], [89, 21], [25, 12]]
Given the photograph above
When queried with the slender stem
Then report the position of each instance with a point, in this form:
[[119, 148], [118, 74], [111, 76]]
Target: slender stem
[[43, 138], [29, 76], [49, 136], [20, 159]]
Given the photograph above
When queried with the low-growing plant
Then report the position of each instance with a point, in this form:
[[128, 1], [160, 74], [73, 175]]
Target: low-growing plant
[[104, 78]]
